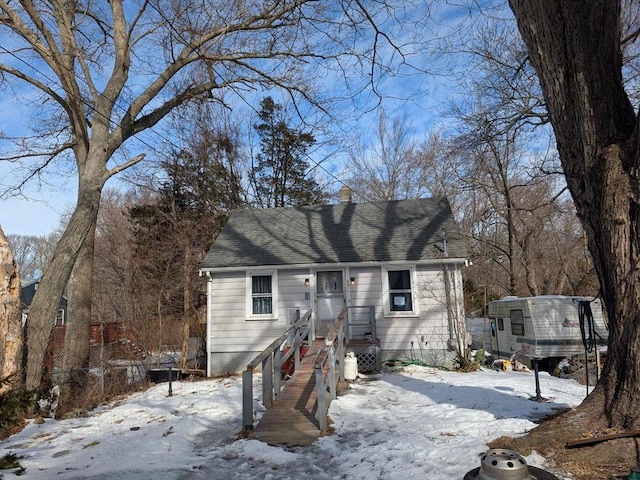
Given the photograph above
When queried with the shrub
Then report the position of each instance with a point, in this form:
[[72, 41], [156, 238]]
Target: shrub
[[14, 404]]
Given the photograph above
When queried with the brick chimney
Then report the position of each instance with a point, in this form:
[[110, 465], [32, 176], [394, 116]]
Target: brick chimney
[[345, 194]]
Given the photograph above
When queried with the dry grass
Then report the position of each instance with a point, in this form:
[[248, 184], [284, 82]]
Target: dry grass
[[608, 460]]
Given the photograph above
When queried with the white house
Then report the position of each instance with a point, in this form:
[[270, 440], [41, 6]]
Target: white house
[[402, 258]]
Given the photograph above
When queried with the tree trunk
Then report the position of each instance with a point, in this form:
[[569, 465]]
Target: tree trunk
[[186, 305], [528, 264], [78, 326], [51, 287], [575, 48], [10, 316]]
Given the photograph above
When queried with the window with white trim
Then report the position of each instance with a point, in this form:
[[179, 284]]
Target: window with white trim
[[398, 283], [261, 294]]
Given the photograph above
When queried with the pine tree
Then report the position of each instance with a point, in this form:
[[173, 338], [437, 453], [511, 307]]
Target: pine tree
[[14, 402], [280, 173]]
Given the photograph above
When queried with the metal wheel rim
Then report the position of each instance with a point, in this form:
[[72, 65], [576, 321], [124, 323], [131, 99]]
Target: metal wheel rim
[[535, 473]]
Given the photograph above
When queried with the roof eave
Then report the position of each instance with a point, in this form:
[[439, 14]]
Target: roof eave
[[318, 266]]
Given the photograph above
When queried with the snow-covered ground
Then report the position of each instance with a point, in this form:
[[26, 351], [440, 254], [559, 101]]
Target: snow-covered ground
[[418, 423]]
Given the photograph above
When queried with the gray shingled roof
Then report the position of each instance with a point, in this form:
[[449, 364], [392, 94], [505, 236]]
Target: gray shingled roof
[[399, 230]]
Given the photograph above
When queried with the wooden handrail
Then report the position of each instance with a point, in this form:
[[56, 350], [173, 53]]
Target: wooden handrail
[[272, 360], [332, 353], [330, 356], [273, 346]]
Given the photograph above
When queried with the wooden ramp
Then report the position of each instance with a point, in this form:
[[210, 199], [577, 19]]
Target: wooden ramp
[[291, 421]]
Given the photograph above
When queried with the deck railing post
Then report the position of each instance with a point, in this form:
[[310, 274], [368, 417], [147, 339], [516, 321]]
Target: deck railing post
[[247, 399], [341, 354], [332, 374], [322, 400], [267, 381], [312, 330], [372, 322], [277, 366], [297, 357], [298, 346]]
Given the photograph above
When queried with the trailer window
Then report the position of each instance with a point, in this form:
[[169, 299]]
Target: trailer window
[[501, 324], [517, 322]]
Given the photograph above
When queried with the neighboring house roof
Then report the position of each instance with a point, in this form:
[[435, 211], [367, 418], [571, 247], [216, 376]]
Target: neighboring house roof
[[28, 291], [394, 231]]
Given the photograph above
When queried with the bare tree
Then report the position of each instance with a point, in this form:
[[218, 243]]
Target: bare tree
[[103, 73], [175, 223], [383, 166], [576, 48], [512, 198], [112, 296], [33, 253]]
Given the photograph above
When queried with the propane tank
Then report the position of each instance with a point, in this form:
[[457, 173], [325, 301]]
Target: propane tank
[[350, 366]]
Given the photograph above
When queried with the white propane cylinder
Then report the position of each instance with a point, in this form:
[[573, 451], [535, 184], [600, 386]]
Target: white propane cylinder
[[350, 366]]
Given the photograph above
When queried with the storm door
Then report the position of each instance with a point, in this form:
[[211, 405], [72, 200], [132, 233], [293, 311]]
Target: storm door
[[330, 298]]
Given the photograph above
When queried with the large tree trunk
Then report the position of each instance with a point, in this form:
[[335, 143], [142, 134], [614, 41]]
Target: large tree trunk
[[78, 326], [10, 316], [51, 287], [575, 48]]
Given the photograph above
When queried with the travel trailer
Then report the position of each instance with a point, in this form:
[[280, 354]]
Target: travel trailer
[[546, 327]]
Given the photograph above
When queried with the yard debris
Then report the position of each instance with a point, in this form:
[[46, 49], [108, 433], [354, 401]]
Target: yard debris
[[582, 442]]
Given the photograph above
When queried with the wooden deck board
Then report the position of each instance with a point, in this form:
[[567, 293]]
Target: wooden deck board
[[291, 420]]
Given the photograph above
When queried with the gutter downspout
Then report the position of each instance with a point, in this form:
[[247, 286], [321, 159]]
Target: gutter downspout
[[209, 316]]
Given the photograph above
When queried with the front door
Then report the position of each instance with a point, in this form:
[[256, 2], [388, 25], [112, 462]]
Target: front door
[[330, 298]]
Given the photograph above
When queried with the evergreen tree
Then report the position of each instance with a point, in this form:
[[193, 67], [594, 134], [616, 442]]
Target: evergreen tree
[[280, 173], [174, 229], [14, 402]]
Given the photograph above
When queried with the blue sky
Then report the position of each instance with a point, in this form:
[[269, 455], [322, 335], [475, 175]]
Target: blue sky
[[39, 215], [412, 92]]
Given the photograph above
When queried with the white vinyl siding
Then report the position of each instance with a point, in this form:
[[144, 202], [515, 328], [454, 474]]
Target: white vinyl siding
[[293, 294], [234, 335], [229, 329], [367, 288], [425, 332], [366, 291]]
